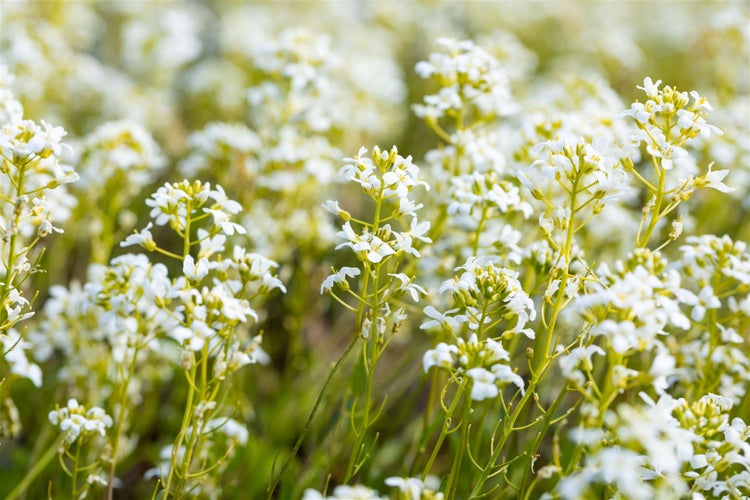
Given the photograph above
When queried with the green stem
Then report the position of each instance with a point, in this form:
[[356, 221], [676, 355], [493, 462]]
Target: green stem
[[196, 431], [560, 299], [642, 243], [74, 477], [478, 233], [548, 418], [120, 424], [508, 425], [369, 364], [450, 490], [13, 236], [427, 423], [39, 466], [444, 430], [186, 417], [275, 482], [353, 465]]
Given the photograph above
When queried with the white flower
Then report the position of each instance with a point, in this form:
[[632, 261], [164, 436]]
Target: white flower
[[706, 299], [144, 239], [578, 356], [195, 271], [74, 419], [504, 373], [14, 348], [483, 384], [345, 492], [210, 245], [443, 320], [698, 461], [441, 356], [367, 245], [649, 87], [333, 207], [223, 202], [495, 351], [415, 488], [713, 180], [340, 276], [407, 285], [221, 219], [378, 250], [229, 427]]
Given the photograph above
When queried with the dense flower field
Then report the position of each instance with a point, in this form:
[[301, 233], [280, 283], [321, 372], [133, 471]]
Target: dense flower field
[[364, 250]]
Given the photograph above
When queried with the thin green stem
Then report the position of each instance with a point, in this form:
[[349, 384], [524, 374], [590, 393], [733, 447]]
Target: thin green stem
[[120, 424], [186, 417], [642, 240], [275, 481], [445, 428], [452, 486], [74, 476], [507, 427], [546, 423], [39, 466]]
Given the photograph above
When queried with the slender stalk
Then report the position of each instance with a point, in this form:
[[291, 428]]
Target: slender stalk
[[507, 427], [74, 477], [10, 275], [39, 466], [186, 417], [452, 486], [534, 448], [444, 430], [120, 425], [642, 240], [275, 481]]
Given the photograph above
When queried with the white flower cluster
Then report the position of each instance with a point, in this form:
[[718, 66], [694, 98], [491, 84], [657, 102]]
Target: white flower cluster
[[122, 151], [667, 449], [468, 76], [487, 295], [132, 305], [302, 62], [645, 305], [230, 148], [666, 123], [75, 420], [286, 151], [631, 311], [385, 177], [32, 202], [408, 488], [412, 488], [718, 269], [594, 165], [14, 349], [668, 119], [480, 361], [117, 318], [482, 203], [174, 203], [345, 492], [705, 257], [119, 304]]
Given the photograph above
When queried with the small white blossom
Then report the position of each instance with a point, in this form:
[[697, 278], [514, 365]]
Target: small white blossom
[[483, 384], [341, 276], [408, 285]]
